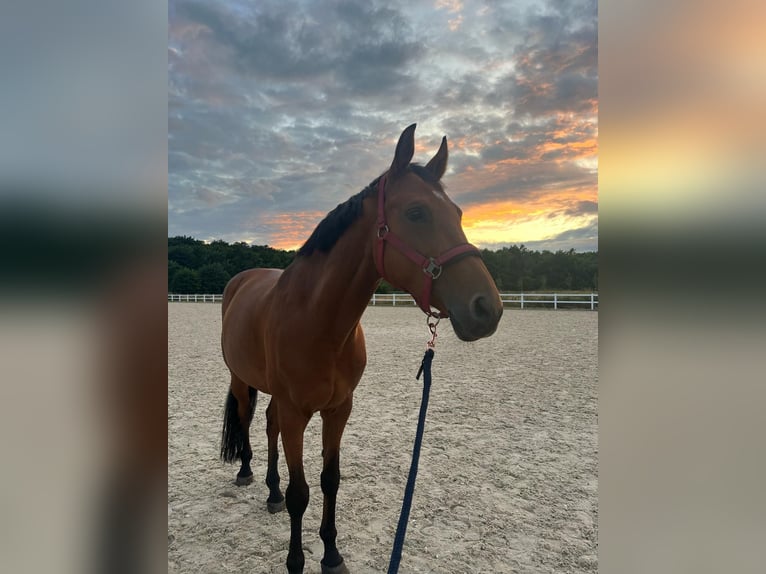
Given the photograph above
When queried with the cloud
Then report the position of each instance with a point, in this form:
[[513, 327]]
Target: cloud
[[555, 66], [290, 107], [452, 7], [327, 43], [580, 239], [583, 207]]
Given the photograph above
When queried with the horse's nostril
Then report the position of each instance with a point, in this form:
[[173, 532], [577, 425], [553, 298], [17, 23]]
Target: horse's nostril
[[480, 307]]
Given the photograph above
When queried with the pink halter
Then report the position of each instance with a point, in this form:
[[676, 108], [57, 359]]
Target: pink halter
[[432, 266]]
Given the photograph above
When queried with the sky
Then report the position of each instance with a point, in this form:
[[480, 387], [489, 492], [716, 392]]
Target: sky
[[278, 110]]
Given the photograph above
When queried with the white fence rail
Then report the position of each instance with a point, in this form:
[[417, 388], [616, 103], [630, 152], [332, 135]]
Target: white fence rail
[[556, 300], [522, 300], [195, 298]]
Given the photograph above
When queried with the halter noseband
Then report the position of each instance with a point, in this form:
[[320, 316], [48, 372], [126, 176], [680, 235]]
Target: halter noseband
[[431, 266]]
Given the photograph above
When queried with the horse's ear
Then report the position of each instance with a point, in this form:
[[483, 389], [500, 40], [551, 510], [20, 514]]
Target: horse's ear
[[438, 163], [405, 149]]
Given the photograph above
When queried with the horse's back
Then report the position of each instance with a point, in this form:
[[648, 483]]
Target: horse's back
[[244, 313]]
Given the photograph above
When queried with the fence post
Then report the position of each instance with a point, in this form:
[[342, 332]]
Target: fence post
[[555, 301], [393, 300], [522, 300], [591, 301]]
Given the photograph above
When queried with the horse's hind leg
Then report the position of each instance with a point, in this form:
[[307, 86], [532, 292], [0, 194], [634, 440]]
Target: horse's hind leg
[[235, 438], [275, 502], [333, 423]]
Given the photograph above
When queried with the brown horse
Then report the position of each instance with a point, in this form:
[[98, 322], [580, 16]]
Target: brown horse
[[296, 335]]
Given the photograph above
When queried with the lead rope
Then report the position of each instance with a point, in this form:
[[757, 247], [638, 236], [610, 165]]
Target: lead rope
[[401, 529]]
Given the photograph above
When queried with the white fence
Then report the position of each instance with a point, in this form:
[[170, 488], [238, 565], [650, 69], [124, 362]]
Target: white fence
[[195, 298], [555, 300], [522, 300]]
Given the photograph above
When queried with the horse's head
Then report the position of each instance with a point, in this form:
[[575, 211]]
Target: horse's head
[[421, 247]]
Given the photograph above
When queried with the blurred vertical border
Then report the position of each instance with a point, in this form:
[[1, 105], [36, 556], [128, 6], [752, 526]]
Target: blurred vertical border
[[83, 311], [682, 200]]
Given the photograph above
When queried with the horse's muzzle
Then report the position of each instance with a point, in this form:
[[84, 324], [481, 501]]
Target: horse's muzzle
[[477, 320]]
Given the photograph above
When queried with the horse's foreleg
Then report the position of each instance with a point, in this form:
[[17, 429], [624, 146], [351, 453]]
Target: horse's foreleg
[[292, 424], [275, 502], [333, 423]]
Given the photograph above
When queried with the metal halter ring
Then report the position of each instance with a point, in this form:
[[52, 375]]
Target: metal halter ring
[[433, 269], [383, 231]]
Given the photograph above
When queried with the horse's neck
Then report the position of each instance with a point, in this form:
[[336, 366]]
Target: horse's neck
[[338, 285]]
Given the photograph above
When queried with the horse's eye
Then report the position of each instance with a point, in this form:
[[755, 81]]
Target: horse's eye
[[417, 213]]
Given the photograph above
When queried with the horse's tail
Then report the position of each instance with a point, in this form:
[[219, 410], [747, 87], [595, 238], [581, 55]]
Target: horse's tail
[[232, 435]]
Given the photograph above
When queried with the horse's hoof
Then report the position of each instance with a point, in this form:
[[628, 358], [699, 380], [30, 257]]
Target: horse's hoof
[[274, 507], [338, 569], [243, 480]]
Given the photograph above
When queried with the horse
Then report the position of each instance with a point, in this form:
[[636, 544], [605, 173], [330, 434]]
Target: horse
[[296, 334]]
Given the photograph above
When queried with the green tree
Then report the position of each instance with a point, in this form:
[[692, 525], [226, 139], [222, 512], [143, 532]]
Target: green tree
[[213, 278], [240, 257], [173, 268], [185, 281], [183, 255]]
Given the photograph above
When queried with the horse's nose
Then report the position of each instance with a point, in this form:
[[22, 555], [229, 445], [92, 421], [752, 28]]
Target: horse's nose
[[482, 310]]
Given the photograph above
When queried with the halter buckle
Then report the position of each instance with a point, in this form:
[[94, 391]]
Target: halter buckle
[[432, 268], [383, 231]]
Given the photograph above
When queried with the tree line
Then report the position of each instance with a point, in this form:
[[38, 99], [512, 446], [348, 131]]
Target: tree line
[[198, 267]]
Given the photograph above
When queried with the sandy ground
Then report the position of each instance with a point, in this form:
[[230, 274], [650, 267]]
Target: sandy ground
[[508, 470]]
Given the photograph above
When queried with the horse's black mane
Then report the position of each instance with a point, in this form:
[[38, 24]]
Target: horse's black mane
[[339, 219]]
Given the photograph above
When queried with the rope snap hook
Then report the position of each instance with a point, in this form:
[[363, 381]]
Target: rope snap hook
[[432, 321]]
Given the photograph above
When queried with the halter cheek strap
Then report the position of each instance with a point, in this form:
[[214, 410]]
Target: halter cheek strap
[[431, 266]]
